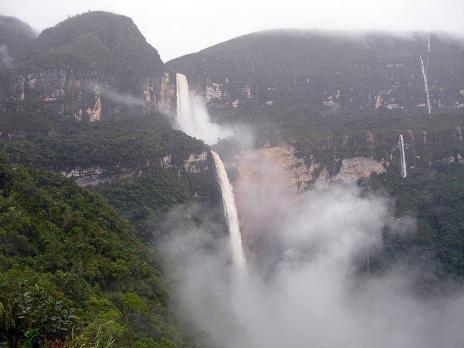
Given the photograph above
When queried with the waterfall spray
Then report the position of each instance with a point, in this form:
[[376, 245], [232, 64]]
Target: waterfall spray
[[404, 172], [230, 212], [192, 115], [426, 86]]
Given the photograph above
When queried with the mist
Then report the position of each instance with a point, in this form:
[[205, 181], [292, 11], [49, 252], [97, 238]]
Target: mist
[[200, 125], [202, 18], [116, 97], [311, 288], [122, 98], [6, 60]]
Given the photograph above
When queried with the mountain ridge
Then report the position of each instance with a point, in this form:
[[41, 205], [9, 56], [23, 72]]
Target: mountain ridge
[[93, 65], [327, 70]]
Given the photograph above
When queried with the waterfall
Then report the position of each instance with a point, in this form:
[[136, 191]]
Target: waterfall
[[428, 43], [426, 86], [184, 107], [192, 115], [404, 171], [230, 212]]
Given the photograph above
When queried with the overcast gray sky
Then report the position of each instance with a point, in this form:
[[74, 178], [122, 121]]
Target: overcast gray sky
[[177, 27]]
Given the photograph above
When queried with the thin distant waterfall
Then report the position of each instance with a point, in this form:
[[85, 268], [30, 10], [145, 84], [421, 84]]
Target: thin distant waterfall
[[404, 171], [429, 46], [426, 85], [184, 107], [230, 212]]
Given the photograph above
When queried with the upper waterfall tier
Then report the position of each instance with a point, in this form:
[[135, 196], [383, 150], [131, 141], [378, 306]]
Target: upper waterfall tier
[[184, 107]]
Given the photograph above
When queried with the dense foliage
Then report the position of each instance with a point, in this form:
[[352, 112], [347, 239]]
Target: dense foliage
[[75, 268], [71, 271], [101, 41], [75, 260], [435, 199], [58, 143], [145, 200]]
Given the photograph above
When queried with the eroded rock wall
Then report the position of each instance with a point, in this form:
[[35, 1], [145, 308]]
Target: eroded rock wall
[[269, 180], [87, 95]]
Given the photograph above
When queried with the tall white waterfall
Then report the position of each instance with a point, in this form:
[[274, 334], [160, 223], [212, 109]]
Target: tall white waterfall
[[404, 171], [230, 212], [426, 85], [184, 107], [192, 115]]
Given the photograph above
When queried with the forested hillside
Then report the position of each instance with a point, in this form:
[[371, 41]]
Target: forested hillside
[[102, 41], [125, 147], [329, 71], [434, 200], [16, 38], [78, 267], [72, 271], [92, 66], [89, 166]]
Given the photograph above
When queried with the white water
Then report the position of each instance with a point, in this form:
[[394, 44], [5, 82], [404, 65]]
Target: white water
[[230, 212], [426, 86], [192, 116], [404, 172], [184, 108], [428, 43]]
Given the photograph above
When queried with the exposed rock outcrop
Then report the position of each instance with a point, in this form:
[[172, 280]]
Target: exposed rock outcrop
[[96, 175], [92, 176], [268, 181], [358, 167], [196, 163]]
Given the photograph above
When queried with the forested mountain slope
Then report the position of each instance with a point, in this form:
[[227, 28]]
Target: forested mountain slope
[[16, 38], [329, 71], [92, 66], [72, 271]]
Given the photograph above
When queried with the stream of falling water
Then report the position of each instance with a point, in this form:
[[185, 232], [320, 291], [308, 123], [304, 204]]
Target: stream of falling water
[[404, 172], [188, 123], [426, 86], [184, 109], [230, 212]]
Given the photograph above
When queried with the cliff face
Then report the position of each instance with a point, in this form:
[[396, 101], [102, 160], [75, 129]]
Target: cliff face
[[281, 167], [196, 163], [423, 149], [273, 176], [316, 162], [87, 95], [16, 39], [268, 182], [92, 66], [329, 71], [358, 167]]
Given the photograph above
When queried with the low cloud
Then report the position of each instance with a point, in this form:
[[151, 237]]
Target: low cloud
[[313, 293], [121, 98], [198, 123], [6, 61]]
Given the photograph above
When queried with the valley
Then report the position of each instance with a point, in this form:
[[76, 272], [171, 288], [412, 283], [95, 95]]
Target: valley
[[311, 177]]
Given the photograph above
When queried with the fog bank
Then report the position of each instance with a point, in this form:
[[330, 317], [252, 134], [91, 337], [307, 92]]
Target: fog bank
[[315, 295]]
